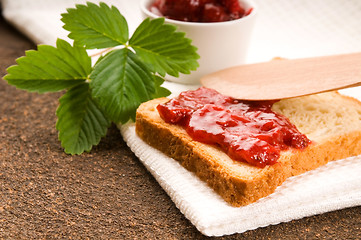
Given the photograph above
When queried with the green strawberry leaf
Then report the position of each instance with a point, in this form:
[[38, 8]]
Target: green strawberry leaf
[[81, 123], [163, 48], [120, 82], [160, 91], [50, 69], [96, 26]]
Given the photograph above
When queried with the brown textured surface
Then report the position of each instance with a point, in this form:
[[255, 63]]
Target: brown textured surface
[[106, 194]]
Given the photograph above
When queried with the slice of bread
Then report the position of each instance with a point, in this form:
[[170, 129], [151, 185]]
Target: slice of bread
[[330, 120]]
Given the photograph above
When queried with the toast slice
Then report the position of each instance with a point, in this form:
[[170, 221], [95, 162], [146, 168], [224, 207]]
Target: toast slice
[[330, 120]]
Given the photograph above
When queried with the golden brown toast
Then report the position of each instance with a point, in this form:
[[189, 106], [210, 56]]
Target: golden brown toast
[[330, 120]]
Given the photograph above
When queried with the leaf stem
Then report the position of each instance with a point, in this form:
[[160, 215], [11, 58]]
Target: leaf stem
[[106, 50]]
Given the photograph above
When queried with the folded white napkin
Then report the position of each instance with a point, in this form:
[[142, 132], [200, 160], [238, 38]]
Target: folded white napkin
[[285, 28], [334, 186]]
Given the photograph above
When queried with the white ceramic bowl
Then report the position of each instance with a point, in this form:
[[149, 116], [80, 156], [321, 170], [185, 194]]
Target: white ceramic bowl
[[220, 45]]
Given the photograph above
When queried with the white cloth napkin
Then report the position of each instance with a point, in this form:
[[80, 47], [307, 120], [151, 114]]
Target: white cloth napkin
[[290, 29]]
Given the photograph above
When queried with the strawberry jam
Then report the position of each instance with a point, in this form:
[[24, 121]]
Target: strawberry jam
[[247, 131], [200, 10]]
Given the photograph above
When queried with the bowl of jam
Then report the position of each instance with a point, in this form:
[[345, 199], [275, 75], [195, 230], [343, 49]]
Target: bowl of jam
[[220, 29]]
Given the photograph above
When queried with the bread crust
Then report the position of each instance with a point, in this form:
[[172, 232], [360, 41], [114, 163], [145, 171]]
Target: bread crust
[[236, 182]]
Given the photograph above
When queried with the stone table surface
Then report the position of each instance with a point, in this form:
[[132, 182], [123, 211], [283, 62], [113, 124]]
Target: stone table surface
[[104, 194]]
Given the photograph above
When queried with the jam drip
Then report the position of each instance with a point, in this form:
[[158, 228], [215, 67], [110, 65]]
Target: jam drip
[[247, 131], [200, 10]]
